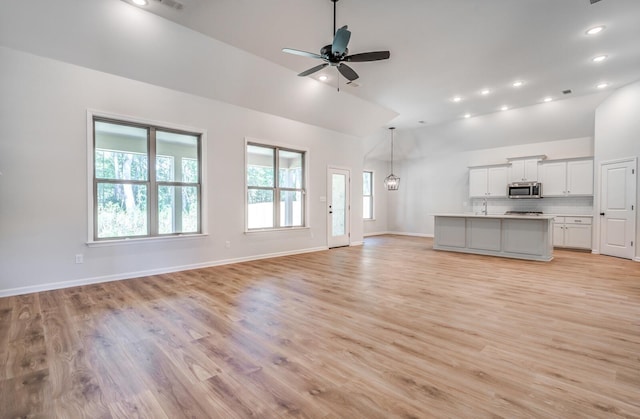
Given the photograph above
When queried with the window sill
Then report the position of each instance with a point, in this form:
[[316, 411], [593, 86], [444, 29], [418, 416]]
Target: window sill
[[120, 242], [268, 230], [369, 219]]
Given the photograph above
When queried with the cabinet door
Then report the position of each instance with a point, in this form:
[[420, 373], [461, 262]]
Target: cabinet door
[[478, 182], [576, 235], [558, 235], [531, 170], [516, 171], [497, 181], [554, 178], [580, 177]]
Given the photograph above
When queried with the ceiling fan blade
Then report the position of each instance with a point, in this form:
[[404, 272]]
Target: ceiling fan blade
[[347, 72], [340, 41], [368, 56], [313, 70], [302, 53]]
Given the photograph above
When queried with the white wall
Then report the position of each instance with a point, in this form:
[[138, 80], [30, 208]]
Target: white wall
[[381, 196], [43, 187], [440, 183], [617, 134], [118, 38]]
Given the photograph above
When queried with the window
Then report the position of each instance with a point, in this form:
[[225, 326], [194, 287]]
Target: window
[[275, 187], [367, 195], [133, 198]]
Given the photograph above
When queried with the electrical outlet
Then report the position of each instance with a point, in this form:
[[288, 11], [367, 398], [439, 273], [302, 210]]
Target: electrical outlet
[[227, 244], [79, 258]]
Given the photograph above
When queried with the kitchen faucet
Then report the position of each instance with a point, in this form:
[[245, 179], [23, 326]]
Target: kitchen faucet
[[484, 206]]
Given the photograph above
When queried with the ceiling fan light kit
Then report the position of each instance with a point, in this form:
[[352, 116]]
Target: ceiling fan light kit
[[336, 53]]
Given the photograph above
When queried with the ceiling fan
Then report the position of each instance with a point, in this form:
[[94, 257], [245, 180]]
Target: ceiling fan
[[335, 54]]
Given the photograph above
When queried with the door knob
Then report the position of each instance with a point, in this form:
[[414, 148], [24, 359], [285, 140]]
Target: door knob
[[602, 213]]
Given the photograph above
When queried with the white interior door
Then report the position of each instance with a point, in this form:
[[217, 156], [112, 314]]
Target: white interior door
[[338, 207], [617, 208]]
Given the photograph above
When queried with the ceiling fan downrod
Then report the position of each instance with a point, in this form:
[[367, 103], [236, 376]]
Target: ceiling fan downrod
[[334, 16]]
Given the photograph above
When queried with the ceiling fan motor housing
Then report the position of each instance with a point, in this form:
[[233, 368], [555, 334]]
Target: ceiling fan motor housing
[[330, 56]]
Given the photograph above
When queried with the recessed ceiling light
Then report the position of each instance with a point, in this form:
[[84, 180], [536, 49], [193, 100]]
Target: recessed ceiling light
[[504, 108], [518, 83], [602, 85], [323, 77], [467, 115], [485, 91], [595, 30], [547, 99], [140, 2], [456, 99], [599, 58]]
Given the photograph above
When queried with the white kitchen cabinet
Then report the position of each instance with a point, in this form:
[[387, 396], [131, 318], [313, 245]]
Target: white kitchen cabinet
[[488, 182], [524, 170], [567, 177], [574, 232]]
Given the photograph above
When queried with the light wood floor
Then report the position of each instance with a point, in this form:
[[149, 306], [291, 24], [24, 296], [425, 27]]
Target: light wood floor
[[391, 329]]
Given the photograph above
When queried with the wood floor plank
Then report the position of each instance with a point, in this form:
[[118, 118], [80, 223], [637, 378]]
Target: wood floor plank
[[391, 329]]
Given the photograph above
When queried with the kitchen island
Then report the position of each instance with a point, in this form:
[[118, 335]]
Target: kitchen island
[[512, 236]]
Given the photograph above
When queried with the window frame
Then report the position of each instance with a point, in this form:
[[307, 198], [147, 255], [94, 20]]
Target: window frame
[[371, 196], [151, 183], [276, 188]]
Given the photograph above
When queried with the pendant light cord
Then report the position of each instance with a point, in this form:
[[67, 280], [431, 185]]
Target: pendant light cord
[[392, 130]]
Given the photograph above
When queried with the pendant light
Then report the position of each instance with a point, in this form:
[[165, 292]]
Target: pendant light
[[392, 182]]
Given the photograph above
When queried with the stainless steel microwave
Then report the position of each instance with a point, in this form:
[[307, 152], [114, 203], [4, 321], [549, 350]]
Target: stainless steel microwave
[[521, 190]]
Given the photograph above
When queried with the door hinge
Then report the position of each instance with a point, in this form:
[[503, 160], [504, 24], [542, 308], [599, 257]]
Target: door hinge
[[633, 171], [631, 244]]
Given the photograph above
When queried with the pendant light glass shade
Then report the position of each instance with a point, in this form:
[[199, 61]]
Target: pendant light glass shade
[[392, 182]]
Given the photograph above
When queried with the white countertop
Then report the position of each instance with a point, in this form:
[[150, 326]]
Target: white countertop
[[502, 216]]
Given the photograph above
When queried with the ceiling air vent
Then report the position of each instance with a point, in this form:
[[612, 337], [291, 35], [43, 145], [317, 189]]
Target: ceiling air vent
[[567, 92], [171, 3], [594, 1]]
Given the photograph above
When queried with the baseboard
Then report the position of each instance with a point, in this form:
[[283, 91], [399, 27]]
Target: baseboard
[[377, 233], [636, 259], [358, 243], [595, 251], [130, 275], [404, 233]]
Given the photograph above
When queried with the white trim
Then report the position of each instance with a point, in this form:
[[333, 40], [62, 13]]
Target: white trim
[[356, 243], [305, 190], [276, 230], [375, 233], [204, 208], [595, 252], [328, 219], [597, 221], [403, 233], [129, 275], [398, 233], [636, 259], [140, 240]]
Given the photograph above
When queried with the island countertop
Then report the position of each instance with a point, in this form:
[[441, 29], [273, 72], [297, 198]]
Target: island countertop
[[520, 217]]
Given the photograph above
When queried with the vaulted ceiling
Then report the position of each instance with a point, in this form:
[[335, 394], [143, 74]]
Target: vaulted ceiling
[[440, 49]]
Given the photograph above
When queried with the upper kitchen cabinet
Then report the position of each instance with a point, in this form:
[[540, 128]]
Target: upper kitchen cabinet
[[524, 169], [567, 177], [488, 182]]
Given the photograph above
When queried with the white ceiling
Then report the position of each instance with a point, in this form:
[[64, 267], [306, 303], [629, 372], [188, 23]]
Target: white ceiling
[[439, 48]]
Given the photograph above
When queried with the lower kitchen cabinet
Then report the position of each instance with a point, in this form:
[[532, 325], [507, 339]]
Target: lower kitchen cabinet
[[574, 232]]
